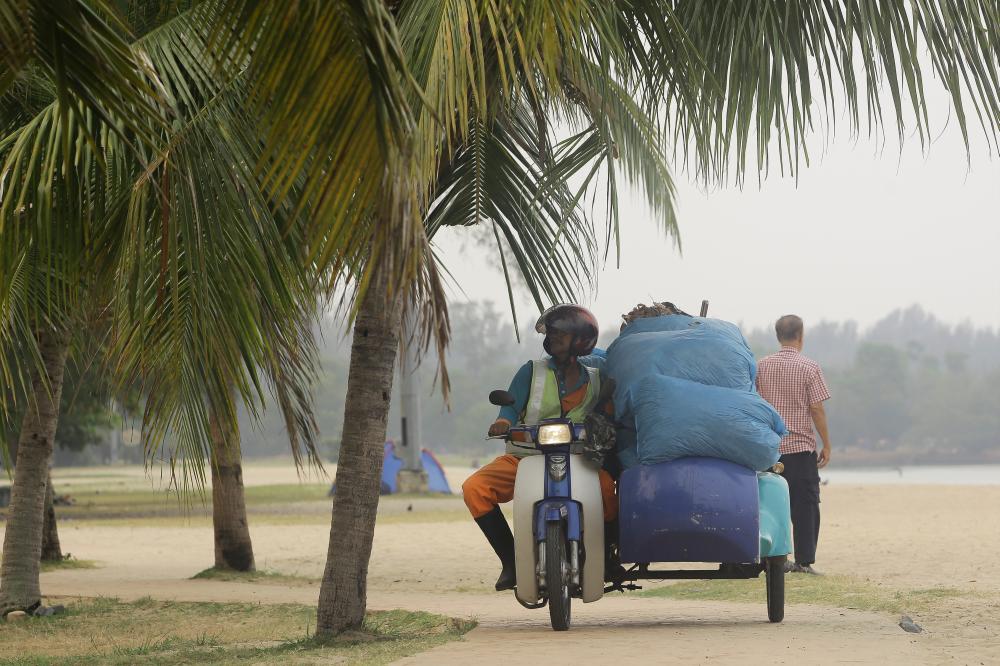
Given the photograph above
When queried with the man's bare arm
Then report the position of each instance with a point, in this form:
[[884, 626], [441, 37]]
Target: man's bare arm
[[818, 415]]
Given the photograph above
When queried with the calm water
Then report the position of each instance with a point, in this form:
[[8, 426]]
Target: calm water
[[961, 475]]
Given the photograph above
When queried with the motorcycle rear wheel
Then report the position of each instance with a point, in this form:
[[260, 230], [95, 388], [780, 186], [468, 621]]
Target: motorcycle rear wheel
[[557, 576]]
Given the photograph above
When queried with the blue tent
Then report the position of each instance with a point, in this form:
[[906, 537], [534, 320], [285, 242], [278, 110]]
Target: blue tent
[[392, 464], [436, 480]]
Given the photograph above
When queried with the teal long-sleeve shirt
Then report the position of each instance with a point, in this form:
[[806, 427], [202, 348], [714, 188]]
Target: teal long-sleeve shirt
[[520, 385]]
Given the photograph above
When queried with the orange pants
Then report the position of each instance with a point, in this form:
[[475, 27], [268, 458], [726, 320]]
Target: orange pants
[[493, 484]]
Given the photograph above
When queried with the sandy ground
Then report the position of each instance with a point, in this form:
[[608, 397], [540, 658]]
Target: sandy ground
[[900, 537]]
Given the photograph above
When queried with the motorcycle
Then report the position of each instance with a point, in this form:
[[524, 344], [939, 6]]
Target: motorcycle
[[688, 510]]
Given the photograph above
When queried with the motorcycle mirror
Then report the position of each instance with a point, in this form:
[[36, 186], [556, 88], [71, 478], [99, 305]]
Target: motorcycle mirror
[[501, 398]]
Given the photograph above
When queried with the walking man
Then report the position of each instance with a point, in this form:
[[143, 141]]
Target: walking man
[[795, 386]]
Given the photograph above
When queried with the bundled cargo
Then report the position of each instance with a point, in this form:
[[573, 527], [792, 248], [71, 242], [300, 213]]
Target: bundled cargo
[[685, 387], [706, 351], [676, 418]]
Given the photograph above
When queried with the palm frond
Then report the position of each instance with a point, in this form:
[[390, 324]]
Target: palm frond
[[503, 176], [82, 47], [766, 70], [226, 315], [209, 278]]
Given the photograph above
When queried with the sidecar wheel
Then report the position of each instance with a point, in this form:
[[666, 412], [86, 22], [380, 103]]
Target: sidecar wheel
[[557, 576], [774, 574]]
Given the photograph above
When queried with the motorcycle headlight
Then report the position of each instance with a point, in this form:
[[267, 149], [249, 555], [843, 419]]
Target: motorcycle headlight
[[555, 433]]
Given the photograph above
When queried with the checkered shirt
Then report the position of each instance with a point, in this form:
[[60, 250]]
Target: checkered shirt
[[791, 382]]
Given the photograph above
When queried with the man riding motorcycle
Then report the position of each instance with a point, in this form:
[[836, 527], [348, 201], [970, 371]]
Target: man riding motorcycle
[[559, 386]]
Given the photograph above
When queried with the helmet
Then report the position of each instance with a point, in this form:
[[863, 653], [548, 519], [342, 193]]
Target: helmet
[[576, 320]]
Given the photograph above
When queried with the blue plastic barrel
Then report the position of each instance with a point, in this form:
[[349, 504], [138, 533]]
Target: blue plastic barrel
[[689, 510]]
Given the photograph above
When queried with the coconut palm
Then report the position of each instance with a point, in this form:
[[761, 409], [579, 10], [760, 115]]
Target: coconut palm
[[207, 284], [86, 401], [497, 80], [719, 82]]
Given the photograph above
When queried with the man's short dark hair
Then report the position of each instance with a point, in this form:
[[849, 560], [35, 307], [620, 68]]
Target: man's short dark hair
[[788, 328]]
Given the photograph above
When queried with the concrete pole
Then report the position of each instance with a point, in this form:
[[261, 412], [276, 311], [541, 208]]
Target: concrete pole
[[115, 436], [116, 430], [412, 478]]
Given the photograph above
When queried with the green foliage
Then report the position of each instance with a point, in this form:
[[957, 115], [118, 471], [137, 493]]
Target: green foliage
[[86, 416], [202, 283], [184, 143]]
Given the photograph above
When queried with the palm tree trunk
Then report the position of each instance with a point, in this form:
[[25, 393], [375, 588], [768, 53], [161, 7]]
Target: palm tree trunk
[[51, 548], [22, 545], [233, 549], [342, 596]]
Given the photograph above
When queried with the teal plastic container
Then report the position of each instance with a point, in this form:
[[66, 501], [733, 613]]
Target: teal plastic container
[[775, 515]]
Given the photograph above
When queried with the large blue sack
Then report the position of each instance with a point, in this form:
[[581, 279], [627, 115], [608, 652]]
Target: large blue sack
[[626, 440], [596, 359], [708, 351], [676, 418]]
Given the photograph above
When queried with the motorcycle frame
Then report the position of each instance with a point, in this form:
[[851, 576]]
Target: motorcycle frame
[[545, 491]]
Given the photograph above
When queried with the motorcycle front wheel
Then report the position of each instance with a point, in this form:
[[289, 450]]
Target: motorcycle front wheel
[[557, 576]]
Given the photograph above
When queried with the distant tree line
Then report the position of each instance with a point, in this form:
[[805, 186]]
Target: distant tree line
[[909, 389]]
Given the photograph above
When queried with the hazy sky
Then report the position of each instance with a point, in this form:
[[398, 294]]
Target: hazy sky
[[866, 229]]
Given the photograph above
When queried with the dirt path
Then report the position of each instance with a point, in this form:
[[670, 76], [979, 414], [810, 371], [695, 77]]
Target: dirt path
[[621, 630], [897, 537]]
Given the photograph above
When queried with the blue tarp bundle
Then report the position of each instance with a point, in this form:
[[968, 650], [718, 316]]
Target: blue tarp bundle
[[597, 359], [676, 418], [707, 351], [685, 387]]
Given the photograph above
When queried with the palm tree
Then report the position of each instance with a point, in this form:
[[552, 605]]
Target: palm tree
[[50, 337], [237, 308], [39, 260], [494, 94], [711, 77], [207, 283]]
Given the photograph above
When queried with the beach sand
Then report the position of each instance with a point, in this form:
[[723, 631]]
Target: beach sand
[[906, 538]]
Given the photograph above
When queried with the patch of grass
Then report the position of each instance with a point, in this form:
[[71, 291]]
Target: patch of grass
[[292, 492], [228, 575], [68, 562], [108, 631], [179, 520], [291, 504], [274, 517], [96, 502], [837, 591], [104, 503]]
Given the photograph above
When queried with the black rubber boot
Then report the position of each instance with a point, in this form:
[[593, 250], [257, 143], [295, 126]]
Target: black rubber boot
[[498, 533], [614, 572]]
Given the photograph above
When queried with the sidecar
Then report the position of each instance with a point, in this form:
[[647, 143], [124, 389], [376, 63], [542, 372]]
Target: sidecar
[[705, 510]]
